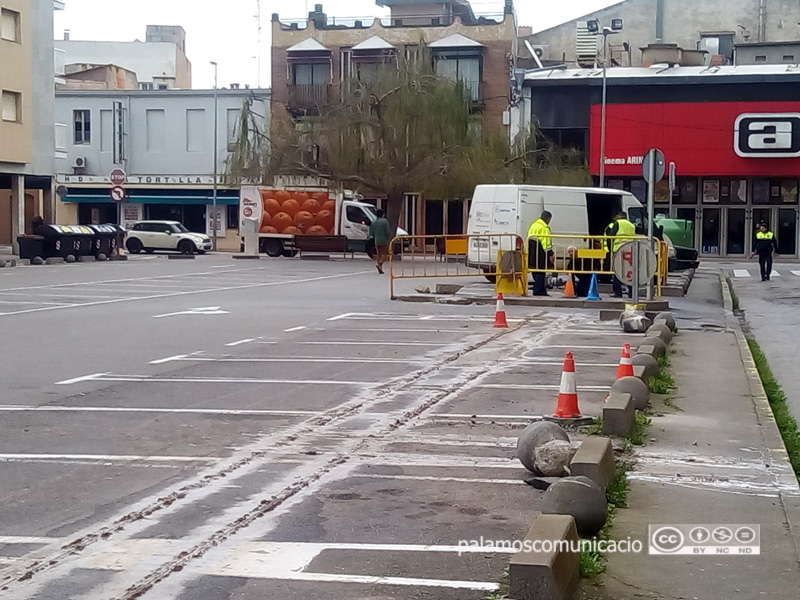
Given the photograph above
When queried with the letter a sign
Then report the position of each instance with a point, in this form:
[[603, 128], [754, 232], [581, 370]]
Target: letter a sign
[[767, 135]]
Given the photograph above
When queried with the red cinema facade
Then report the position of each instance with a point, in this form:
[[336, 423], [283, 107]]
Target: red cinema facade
[[732, 133]]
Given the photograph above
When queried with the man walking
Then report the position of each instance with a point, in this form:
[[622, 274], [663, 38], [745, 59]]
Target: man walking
[[380, 232], [766, 245], [540, 252], [623, 231]]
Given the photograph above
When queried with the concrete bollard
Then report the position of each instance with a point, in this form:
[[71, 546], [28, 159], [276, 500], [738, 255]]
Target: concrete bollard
[[581, 498], [552, 575], [640, 394], [640, 372], [661, 330], [667, 316], [648, 361], [657, 342], [595, 460], [619, 415], [535, 435]]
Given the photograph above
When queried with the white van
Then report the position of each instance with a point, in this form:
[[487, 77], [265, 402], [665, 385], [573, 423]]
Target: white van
[[512, 208]]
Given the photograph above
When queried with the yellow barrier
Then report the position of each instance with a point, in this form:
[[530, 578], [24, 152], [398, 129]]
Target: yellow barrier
[[478, 256], [451, 256], [589, 254]]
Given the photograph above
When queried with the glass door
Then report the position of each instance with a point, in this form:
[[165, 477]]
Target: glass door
[[787, 231], [710, 232], [735, 242]]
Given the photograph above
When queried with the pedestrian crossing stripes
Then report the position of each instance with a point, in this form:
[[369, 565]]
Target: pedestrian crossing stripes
[[745, 273]]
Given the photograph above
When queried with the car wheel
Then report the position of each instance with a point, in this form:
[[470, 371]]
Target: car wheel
[[490, 275], [370, 250], [273, 248], [186, 247], [134, 245]]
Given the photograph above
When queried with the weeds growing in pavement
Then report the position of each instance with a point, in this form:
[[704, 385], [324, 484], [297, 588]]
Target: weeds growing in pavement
[[595, 427], [663, 383], [777, 400], [638, 434], [734, 297], [502, 591], [593, 563]]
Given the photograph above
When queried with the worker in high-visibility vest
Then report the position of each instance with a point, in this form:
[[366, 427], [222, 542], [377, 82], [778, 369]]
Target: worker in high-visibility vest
[[766, 245], [623, 231], [540, 252]]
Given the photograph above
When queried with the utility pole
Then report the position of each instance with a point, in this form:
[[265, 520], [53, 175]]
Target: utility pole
[[216, 143]]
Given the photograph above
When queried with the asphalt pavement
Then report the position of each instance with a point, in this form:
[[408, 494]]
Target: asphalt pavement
[[214, 429]]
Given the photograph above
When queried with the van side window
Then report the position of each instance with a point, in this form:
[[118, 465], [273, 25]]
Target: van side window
[[356, 215]]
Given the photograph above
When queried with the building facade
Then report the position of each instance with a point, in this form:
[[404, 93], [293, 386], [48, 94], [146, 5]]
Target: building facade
[[732, 133], [27, 137], [715, 26], [314, 60], [160, 62], [164, 141]]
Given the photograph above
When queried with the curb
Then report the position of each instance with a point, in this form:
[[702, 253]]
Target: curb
[[619, 415], [654, 306], [543, 575], [777, 454]]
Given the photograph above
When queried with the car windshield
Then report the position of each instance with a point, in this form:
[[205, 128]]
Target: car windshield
[[180, 228], [370, 210]]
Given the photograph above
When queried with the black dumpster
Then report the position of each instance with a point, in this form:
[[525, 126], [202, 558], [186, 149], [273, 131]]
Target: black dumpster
[[64, 241], [107, 239]]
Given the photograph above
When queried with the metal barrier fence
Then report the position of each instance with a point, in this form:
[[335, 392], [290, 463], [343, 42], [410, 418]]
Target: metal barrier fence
[[510, 259], [449, 256]]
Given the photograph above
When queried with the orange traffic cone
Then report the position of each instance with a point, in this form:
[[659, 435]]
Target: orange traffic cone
[[500, 313], [569, 289], [567, 407], [625, 368]]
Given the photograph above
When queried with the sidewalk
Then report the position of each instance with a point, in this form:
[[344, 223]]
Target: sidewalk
[[716, 458]]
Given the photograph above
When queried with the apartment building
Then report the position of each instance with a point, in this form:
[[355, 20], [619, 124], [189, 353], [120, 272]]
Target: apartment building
[[314, 59], [27, 71]]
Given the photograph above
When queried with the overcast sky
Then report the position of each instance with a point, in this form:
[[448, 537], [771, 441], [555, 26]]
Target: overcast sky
[[226, 30]]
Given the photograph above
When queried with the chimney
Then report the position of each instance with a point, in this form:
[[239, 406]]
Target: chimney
[[234, 86], [319, 18], [66, 35]]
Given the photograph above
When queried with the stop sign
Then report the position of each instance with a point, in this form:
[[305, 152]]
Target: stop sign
[[118, 177]]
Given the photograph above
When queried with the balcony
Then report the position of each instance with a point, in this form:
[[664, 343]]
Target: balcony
[[308, 99]]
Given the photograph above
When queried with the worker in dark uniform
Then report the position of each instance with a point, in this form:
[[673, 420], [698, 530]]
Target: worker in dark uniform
[[766, 246], [623, 231], [540, 252]]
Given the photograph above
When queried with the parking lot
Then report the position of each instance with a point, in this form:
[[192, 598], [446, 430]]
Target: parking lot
[[290, 448]]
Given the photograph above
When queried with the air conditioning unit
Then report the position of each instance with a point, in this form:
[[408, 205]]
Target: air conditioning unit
[[80, 162], [539, 50]]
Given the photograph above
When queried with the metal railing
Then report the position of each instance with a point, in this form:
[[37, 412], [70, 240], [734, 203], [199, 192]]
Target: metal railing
[[491, 256], [309, 98], [450, 256]]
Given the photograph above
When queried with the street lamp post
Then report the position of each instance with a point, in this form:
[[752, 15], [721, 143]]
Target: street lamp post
[[216, 142], [594, 27]]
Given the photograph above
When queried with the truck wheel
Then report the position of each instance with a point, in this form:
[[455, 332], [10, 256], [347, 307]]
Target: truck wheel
[[370, 250], [134, 246], [490, 276], [273, 248], [187, 247]]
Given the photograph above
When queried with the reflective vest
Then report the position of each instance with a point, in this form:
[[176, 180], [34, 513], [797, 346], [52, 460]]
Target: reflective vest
[[625, 232], [540, 231], [764, 235]]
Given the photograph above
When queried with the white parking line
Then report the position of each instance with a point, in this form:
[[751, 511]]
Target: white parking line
[[226, 380], [294, 329], [525, 418], [302, 359], [520, 386], [359, 343], [775, 274], [184, 293], [26, 539], [741, 273], [443, 478], [162, 361], [80, 379], [240, 342], [797, 273], [105, 457], [188, 411]]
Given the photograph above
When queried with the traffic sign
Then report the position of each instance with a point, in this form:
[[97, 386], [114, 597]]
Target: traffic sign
[[661, 165], [117, 193], [118, 177], [248, 211], [623, 262]]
